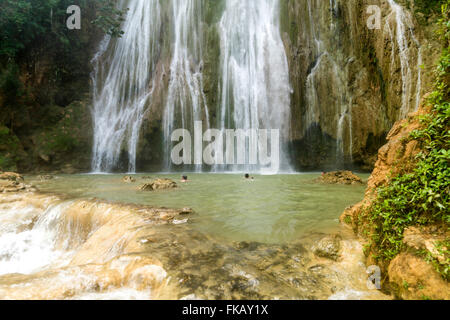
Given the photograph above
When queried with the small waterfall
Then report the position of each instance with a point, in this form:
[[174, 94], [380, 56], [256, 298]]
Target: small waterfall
[[255, 88], [404, 33], [26, 249], [52, 248], [122, 85], [186, 102], [326, 84]]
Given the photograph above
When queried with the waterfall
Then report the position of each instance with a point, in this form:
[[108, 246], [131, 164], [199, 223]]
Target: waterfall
[[253, 89], [254, 85], [122, 85], [403, 34], [186, 102]]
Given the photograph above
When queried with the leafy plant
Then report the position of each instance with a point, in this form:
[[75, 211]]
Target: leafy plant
[[420, 196], [23, 22], [110, 18]]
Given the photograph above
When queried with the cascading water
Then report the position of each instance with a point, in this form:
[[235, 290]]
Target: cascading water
[[254, 77], [57, 249], [122, 85], [404, 32], [255, 87], [186, 102], [24, 250]]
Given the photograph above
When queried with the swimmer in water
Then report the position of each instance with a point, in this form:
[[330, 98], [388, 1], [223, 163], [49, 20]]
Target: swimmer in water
[[184, 179]]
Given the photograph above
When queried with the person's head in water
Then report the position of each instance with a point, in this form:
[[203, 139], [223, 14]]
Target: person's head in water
[[184, 178], [247, 176]]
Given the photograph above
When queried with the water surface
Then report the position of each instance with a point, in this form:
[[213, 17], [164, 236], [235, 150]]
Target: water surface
[[269, 209]]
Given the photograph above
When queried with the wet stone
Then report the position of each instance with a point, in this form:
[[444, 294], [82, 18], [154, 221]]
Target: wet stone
[[328, 247], [45, 177], [128, 179], [159, 184]]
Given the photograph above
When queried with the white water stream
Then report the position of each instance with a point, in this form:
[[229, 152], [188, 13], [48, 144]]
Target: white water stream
[[255, 88]]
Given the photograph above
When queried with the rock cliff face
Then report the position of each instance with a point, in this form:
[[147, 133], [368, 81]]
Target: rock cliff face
[[393, 156], [47, 127], [408, 276], [349, 84]]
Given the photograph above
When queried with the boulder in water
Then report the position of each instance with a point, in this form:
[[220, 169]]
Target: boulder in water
[[11, 176], [187, 211], [328, 247], [13, 182], [340, 177], [128, 179], [159, 184], [45, 177]]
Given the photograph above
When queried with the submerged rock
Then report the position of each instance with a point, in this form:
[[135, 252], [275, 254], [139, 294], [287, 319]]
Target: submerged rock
[[340, 177], [128, 179], [328, 247], [159, 184], [45, 177], [187, 211]]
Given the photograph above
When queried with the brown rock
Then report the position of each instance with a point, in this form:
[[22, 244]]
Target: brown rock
[[128, 179], [187, 211], [159, 184], [425, 239], [328, 247], [44, 157], [11, 176], [340, 177], [45, 177], [392, 157], [414, 279]]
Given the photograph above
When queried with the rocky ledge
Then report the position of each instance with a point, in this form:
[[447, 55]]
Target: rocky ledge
[[409, 275], [13, 182], [340, 177]]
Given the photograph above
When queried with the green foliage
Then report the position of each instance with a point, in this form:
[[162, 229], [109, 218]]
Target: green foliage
[[110, 18], [425, 7], [62, 143], [348, 220], [420, 197], [23, 22], [10, 85], [9, 145], [62, 137], [443, 267]]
